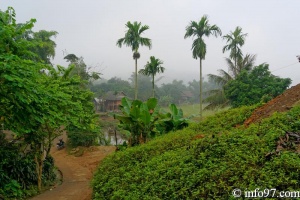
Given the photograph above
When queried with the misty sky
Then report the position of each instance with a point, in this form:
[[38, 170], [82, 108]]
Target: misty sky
[[90, 28]]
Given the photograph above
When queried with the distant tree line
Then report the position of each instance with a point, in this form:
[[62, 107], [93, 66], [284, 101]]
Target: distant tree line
[[176, 92]]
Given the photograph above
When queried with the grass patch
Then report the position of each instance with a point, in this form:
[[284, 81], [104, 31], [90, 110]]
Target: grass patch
[[193, 110]]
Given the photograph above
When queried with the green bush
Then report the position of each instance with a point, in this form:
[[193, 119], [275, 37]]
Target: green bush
[[180, 166], [78, 137], [18, 172]]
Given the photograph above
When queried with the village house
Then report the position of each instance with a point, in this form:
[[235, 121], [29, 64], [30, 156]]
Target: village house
[[109, 102]]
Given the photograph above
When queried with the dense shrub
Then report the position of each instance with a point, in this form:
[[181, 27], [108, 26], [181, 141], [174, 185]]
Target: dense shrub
[[224, 121], [18, 171], [181, 165], [79, 137]]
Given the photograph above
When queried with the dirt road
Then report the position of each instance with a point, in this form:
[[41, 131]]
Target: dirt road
[[77, 173]]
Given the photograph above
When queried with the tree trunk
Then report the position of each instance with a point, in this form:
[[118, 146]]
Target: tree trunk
[[153, 95], [135, 84], [200, 89], [38, 158]]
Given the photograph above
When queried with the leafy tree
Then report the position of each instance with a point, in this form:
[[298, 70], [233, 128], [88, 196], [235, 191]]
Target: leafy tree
[[217, 96], [250, 88], [133, 39], [234, 41], [44, 46], [10, 35], [151, 69], [173, 90], [199, 30], [113, 84], [36, 105], [80, 68], [165, 100]]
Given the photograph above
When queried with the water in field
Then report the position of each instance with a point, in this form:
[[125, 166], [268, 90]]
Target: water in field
[[114, 137]]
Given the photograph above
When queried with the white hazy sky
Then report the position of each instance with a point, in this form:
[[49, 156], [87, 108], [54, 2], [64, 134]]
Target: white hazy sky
[[90, 28]]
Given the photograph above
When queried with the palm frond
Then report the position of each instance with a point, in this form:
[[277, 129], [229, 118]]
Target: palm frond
[[216, 79]]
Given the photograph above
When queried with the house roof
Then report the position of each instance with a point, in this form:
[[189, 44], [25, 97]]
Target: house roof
[[187, 93], [112, 96]]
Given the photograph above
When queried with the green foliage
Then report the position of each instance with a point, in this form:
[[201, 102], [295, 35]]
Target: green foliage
[[224, 121], [182, 165], [165, 100], [144, 119], [254, 87], [172, 121], [37, 100], [133, 38], [43, 45], [173, 90], [151, 69], [78, 137], [138, 118], [80, 69], [11, 40], [199, 30], [18, 171]]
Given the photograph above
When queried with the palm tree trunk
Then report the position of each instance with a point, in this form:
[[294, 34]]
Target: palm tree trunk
[[200, 89], [153, 86], [135, 83]]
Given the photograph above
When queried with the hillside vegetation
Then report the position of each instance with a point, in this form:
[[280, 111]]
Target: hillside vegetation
[[207, 160]]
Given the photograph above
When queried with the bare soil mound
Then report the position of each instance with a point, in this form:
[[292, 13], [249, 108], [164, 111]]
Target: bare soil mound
[[281, 103]]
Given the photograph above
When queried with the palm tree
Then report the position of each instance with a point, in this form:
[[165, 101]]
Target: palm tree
[[151, 69], [198, 30], [235, 40], [133, 39], [217, 97]]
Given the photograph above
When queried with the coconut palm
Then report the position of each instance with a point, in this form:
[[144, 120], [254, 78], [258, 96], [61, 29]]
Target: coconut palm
[[151, 69], [235, 40], [133, 39], [217, 97], [199, 30]]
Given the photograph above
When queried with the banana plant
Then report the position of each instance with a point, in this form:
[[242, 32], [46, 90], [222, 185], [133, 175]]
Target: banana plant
[[138, 118], [172, 120]]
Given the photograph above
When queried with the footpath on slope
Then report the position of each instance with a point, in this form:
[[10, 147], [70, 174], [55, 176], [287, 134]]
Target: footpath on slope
[[77, 173], [281, 103]]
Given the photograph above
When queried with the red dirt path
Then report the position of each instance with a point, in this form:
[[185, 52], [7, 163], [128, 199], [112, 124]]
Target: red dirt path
[[77, 173], [281, 103]]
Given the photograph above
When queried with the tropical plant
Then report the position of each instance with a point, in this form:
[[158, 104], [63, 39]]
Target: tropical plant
[[144, 119], [251, 88], [172, 121], [235, 40], [138, 118], [216, 96], [133, 39], [80, 68], [151, 69], [199, 30]]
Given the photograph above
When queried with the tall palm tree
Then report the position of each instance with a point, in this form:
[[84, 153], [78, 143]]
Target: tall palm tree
[[133, 39], [235, 40], [199, 30], [151, 69]]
